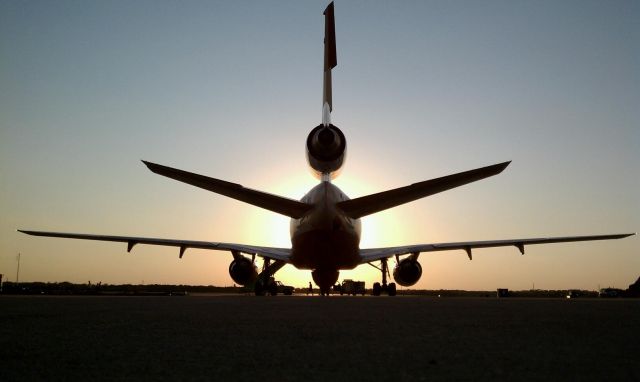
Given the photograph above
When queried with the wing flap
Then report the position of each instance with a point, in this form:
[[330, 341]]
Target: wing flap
[[281, 254], [278, 204], [366, 205], [374, 254]]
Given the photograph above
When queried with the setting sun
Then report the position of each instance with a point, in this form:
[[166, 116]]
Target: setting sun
[[383, 229]]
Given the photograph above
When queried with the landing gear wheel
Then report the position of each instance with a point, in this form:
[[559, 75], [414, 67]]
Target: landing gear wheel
[[391, 289], [259, 288], [377, 289], [273, 289]]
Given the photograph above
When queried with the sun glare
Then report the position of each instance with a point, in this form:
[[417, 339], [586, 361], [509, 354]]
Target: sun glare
[[269, 229]]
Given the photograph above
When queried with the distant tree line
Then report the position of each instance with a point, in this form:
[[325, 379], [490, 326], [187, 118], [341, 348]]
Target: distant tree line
[[67, 288]]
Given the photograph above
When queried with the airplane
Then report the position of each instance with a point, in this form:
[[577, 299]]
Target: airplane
[[325, 224]]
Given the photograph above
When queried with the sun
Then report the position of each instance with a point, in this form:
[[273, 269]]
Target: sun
[[269, 229]]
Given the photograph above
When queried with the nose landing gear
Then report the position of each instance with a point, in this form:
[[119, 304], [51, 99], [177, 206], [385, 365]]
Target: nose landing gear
[[325, 279], [378, 288]]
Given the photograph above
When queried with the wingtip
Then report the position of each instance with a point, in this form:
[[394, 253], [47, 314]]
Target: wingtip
[[150, 165], [624, 235], [330, 5], [500, 166]]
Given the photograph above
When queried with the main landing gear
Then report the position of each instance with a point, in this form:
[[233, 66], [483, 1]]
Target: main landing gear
[[378, 288], [262, 288], [265, 283]]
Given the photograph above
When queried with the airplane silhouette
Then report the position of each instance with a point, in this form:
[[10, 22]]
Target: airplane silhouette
[[325, 223]]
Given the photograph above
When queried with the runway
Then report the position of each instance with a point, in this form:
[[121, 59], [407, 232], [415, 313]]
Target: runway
[[298, 338]]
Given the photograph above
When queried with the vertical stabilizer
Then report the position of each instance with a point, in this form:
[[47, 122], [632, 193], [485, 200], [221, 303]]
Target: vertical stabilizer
[[326, 145], [330, 60]]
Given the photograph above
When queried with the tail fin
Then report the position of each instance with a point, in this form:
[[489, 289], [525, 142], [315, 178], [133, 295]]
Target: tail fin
[[330, 58]]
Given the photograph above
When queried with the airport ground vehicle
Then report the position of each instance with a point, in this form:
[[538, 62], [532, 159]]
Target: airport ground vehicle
[[573, 293], [284, 289], [610, 292], [272, 287], [352, 287]]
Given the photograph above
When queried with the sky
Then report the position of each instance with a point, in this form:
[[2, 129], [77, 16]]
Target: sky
[[231, 89]]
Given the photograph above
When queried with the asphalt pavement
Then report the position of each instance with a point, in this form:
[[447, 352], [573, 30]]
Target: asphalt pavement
[[300, 338]]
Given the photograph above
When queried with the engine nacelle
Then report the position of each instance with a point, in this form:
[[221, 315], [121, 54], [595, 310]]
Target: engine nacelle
[[243, 271], [326, 150], [407, 272]]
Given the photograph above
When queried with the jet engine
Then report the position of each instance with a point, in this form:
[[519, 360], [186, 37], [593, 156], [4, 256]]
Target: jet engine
[[243, 271], [326, 150], [407, 272]]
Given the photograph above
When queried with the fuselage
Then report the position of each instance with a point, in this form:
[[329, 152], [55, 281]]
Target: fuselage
[[325, 239]]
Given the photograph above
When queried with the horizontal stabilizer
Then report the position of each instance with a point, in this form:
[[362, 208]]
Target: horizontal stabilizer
[[284, 206], [369, 204]]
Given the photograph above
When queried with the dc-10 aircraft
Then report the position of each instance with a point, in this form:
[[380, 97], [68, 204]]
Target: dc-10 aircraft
[[325, 223]]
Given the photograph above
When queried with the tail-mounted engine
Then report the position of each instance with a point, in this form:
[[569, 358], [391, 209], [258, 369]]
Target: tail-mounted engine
[[408, 271], [243, 271], [326, 150]]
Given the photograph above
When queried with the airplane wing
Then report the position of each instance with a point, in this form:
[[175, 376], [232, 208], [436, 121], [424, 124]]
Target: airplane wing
[[366, 205], [284, 206], [373, 254], [281, 254]]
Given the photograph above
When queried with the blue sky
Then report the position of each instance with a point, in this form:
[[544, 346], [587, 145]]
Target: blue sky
[[231, 89]]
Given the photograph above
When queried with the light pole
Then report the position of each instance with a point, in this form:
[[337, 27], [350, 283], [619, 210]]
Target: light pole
[[18, 271]]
